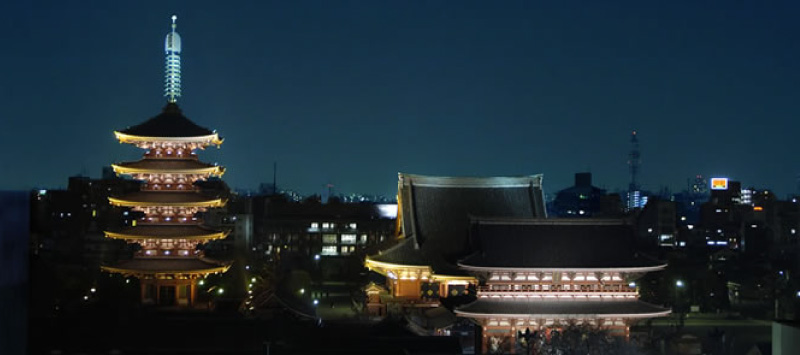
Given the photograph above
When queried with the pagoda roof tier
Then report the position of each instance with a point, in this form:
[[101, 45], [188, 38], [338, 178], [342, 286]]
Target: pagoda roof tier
[[485, 307], [169, 126], [168, 166], [142, 267], [188, 232], [556, 245], [166, 199]]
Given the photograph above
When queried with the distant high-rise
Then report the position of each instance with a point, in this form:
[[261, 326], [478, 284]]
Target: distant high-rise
[[168, 263], [635, 197], [634, 160]]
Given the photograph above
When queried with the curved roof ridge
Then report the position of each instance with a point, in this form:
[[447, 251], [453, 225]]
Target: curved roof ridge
[[470, 181]]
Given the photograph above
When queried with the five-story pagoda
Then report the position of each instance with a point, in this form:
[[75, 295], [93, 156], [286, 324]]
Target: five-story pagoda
[[168, 263]]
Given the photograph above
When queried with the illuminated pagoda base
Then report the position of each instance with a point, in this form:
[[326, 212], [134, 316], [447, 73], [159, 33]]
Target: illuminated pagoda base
[[168, 282], [168, 263]]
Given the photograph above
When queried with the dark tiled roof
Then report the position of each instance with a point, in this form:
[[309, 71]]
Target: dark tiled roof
[[167, 164], [406, 253], [533, 307], [556, 243], [437, 210], [154, 265], [169, 123], [167, 231], [166, 197], [436, 214]]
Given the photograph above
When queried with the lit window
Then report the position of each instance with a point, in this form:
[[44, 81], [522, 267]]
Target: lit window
[[363, 238], [314, 225], [353, 226], [348, 238], [329, 239], [329, 250]]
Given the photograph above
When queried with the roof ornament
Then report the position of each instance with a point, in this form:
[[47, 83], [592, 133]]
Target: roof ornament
[[172, 72]]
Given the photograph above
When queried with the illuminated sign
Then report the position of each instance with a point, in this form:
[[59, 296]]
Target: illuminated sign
[[719, 183]]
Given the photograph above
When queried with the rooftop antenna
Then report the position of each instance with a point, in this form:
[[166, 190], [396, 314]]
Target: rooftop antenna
[[172, 72]]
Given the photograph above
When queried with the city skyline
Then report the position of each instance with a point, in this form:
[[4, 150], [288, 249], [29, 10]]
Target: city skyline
[[360, 92]]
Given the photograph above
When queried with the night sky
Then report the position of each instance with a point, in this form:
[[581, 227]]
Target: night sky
[[350, 93]]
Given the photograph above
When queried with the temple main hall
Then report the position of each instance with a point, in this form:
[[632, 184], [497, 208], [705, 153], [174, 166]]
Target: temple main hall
[[486, 244]]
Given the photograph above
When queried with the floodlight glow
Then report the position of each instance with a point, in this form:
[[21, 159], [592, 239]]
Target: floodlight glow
[[387, 210]]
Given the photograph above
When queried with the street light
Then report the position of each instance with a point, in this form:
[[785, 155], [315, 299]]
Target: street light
[[679, 283]]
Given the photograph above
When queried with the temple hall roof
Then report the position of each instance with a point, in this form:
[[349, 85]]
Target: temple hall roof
[[169, 123], [555, 244], [166, 198], [436, 210], [535, 308], [177, 231], [151, 266]]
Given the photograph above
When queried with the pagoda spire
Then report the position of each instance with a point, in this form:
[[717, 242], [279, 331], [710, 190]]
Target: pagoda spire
[[172, 70]]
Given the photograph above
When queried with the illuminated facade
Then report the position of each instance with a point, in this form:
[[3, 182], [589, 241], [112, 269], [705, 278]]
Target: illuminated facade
[[433, 225], [543, 274], [489, 238], [168, 262]]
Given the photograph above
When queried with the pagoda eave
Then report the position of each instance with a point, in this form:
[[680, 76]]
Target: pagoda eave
[[137, 237], [214, 171], [218, 202], [147, 270], [212, 139]]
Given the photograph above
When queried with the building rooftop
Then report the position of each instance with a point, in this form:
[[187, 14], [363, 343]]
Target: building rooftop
[[559, 308], [169, 123], [556, 244]]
